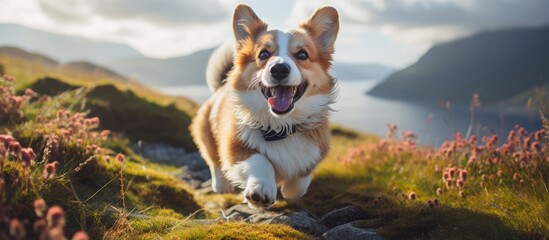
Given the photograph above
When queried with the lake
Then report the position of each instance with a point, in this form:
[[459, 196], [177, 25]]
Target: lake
[[432, 123]]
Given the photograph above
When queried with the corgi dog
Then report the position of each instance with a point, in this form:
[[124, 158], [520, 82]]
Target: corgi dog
[[266, 124]]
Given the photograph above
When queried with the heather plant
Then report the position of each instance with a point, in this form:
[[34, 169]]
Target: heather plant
[[10, 103], [503, 177], [52, 151], [34, 159]]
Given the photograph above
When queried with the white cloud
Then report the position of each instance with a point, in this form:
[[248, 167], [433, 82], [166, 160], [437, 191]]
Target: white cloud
[[157, 28], [160, 12], [418, 24], [394, 32]]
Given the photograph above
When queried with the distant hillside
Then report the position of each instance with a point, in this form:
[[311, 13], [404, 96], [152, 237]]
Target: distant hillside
[[359, 71], [34, 58], [498, 65], [71, 68], [190, 69], [64, 48], [185, 70], [82, 67]]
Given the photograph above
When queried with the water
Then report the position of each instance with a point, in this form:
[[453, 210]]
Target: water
[[430, 122]]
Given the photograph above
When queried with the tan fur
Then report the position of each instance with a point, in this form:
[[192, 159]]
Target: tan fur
[[218, 124], [215, 135]]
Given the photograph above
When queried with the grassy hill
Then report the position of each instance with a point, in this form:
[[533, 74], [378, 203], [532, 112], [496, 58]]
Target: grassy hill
[[54, 147], [26, 70], [63, 170], [139, 112], [125, 112], [499, 65]]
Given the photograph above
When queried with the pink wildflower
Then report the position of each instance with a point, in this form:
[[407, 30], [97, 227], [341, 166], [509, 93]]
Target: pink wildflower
[[39, 207], [55, 217], [50, 170], [412, 196], [120, 158], [27, 156], [80, 235]]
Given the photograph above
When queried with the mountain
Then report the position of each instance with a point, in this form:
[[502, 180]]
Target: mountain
[[64, 47], [83, 67], [498, 65], [34, 58], [73, 69], [183, 70]]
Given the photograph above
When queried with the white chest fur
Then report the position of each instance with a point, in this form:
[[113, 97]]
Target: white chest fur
[[291, 156]]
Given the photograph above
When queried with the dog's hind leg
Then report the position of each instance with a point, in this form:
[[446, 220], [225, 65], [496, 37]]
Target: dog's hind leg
[[220, 183], [203, 137], [296, 188]]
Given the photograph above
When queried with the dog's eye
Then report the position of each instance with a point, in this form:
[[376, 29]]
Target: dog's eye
[[264, 54], [302, 55]]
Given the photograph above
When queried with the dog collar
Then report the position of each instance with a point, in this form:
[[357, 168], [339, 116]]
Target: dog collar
[[272, 135]]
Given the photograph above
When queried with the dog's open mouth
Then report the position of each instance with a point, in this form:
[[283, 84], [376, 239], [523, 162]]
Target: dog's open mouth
[[281, 99]]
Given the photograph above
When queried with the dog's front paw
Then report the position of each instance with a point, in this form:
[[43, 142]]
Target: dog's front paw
[[260, 195]]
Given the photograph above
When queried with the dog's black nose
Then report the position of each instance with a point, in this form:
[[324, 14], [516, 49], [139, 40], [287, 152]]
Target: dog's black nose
[[280, 71]]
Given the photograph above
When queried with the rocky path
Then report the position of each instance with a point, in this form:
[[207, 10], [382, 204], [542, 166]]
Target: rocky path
[[340, 223]]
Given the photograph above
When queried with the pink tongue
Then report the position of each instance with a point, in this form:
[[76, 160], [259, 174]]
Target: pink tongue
[[282, 98]]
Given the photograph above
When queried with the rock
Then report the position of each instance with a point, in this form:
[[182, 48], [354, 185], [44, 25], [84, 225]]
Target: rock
[[240, 209], [193, 169], [342, 215], [348, 231], [300, 221], [195, 178], [307, 213], [171, 155]]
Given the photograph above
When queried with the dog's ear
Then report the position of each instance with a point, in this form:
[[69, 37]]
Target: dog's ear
[[246, 24], [323, 25]]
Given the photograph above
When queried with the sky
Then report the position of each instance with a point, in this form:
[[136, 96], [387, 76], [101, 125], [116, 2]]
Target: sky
[[391, 32]]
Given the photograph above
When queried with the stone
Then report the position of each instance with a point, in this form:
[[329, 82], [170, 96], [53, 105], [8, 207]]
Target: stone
[[193, 169], [264, 217], [342, 215], [240, 211], [349, 231], [300, 221]]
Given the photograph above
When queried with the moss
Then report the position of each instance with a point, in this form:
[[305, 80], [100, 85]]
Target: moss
[[341, 131], [169, 227], [167, 194], [50, 86], [139, 119]]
